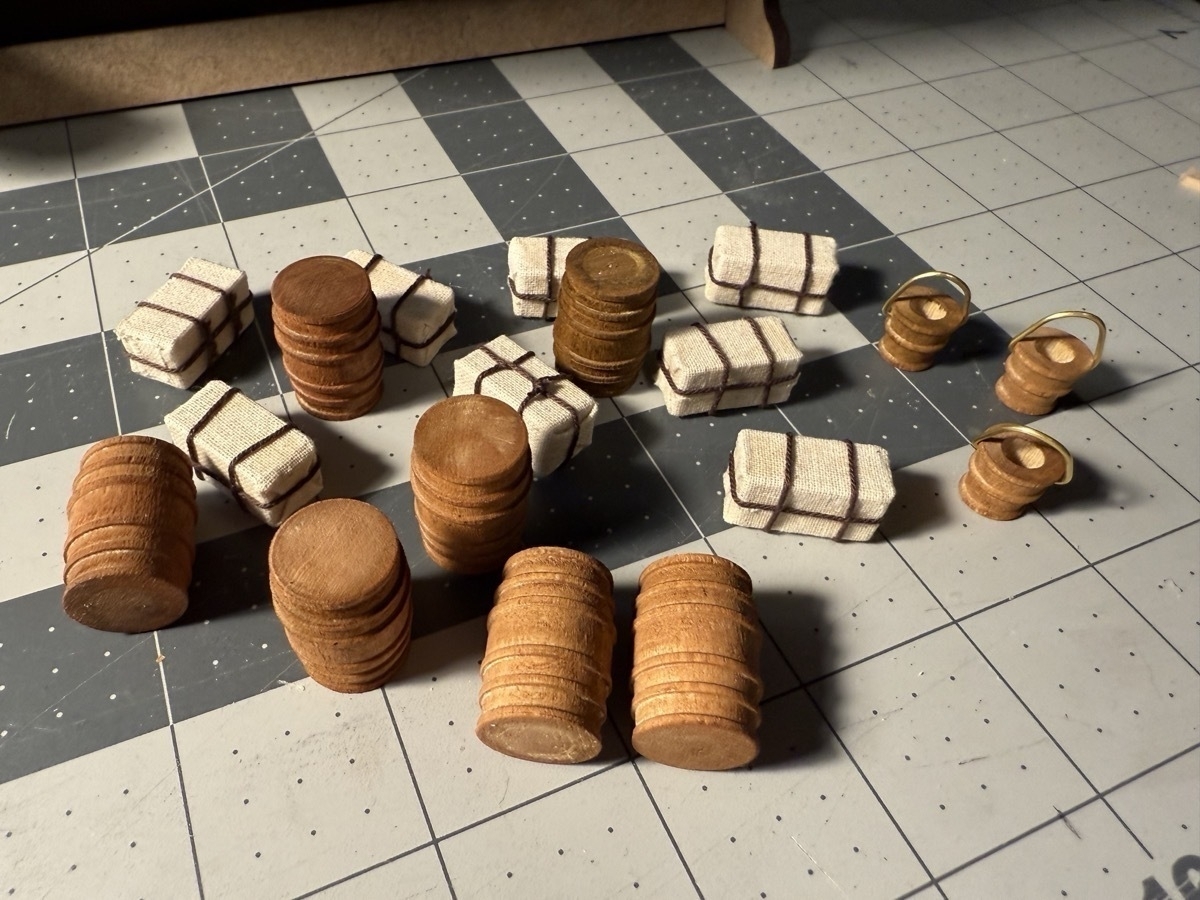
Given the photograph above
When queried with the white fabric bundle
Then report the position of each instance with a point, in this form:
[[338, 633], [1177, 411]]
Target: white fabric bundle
[[742, 362], [535, 271], [559, 416], [417, 313], [777, 270], [806, 485], [179, 331], [278, 475]]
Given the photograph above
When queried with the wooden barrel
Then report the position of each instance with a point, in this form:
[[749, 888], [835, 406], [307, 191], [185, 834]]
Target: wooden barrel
[[470, 473], [341, 587], [919, 320], [547, 672], [1044, 363], [130, 536], [1011, 468], [696, 682], [327, 327], [606, 306]]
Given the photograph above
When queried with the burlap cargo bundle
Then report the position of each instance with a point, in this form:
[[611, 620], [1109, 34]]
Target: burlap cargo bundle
[[179, 331], [270, 466], [559, 415], [417, 313], [778, 270], [742, 362], [804, 485], [535, 271]]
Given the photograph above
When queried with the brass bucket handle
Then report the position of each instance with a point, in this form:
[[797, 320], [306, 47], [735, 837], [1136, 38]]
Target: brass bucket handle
[[1101, 331], [1040, 437], [953, 279]]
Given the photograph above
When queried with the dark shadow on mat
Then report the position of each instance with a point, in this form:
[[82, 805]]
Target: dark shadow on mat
[[792, 731], [336, 452], [229, 577], [1088, 489], [820, 378], [442, 600], [808, 24], [918, 505], [855, 288]]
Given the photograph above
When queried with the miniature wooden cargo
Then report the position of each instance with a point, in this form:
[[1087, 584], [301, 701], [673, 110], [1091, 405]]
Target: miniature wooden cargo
[[559, 415], [417, 313], [270, 466], [777, 270], [742, 362], [535, 271], [805, 485], [177, 332]]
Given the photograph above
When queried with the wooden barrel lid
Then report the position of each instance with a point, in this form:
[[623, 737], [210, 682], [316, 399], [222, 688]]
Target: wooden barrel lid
[[322, 290], [471, 440], [687, 566], [131, 448], [537, 734], [699, 742], [609, 268], [335, 554], [548, 559], [125, 602]]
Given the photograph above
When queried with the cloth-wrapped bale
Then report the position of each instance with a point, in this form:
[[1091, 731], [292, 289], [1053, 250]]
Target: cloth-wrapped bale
[[269, 465], [805, 485], [778, 270], [559, 415], [743, 362], [417, 313], [535, 271], [179, 331]]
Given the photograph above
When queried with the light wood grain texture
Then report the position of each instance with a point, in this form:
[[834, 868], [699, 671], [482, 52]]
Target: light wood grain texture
[[49, 79]]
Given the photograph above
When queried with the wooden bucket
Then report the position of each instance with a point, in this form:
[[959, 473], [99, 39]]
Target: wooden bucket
[[919, 319], [1044, 363], [1011, 468]]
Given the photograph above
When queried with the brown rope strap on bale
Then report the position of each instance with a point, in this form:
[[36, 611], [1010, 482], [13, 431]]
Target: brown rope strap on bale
[[779, 507], [727, 370], [797, 294], [539, 387], [394, 330], [233, 481], [545, 299], [209, 334]]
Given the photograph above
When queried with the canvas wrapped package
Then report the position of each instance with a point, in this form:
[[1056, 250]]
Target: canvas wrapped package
[[806, 485], [742, 362], [269, 465], [778, 270], [559, 415], [177, 332], [417, 313], [535, 271]]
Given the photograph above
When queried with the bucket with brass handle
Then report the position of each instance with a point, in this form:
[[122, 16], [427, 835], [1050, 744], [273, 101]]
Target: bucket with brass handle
[[1012, 466], [919, 319], [1044, 363]]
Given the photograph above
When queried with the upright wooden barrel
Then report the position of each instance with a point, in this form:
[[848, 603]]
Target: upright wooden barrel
[[606, 306], [1044, 363], [470, 474], [327, 326]]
